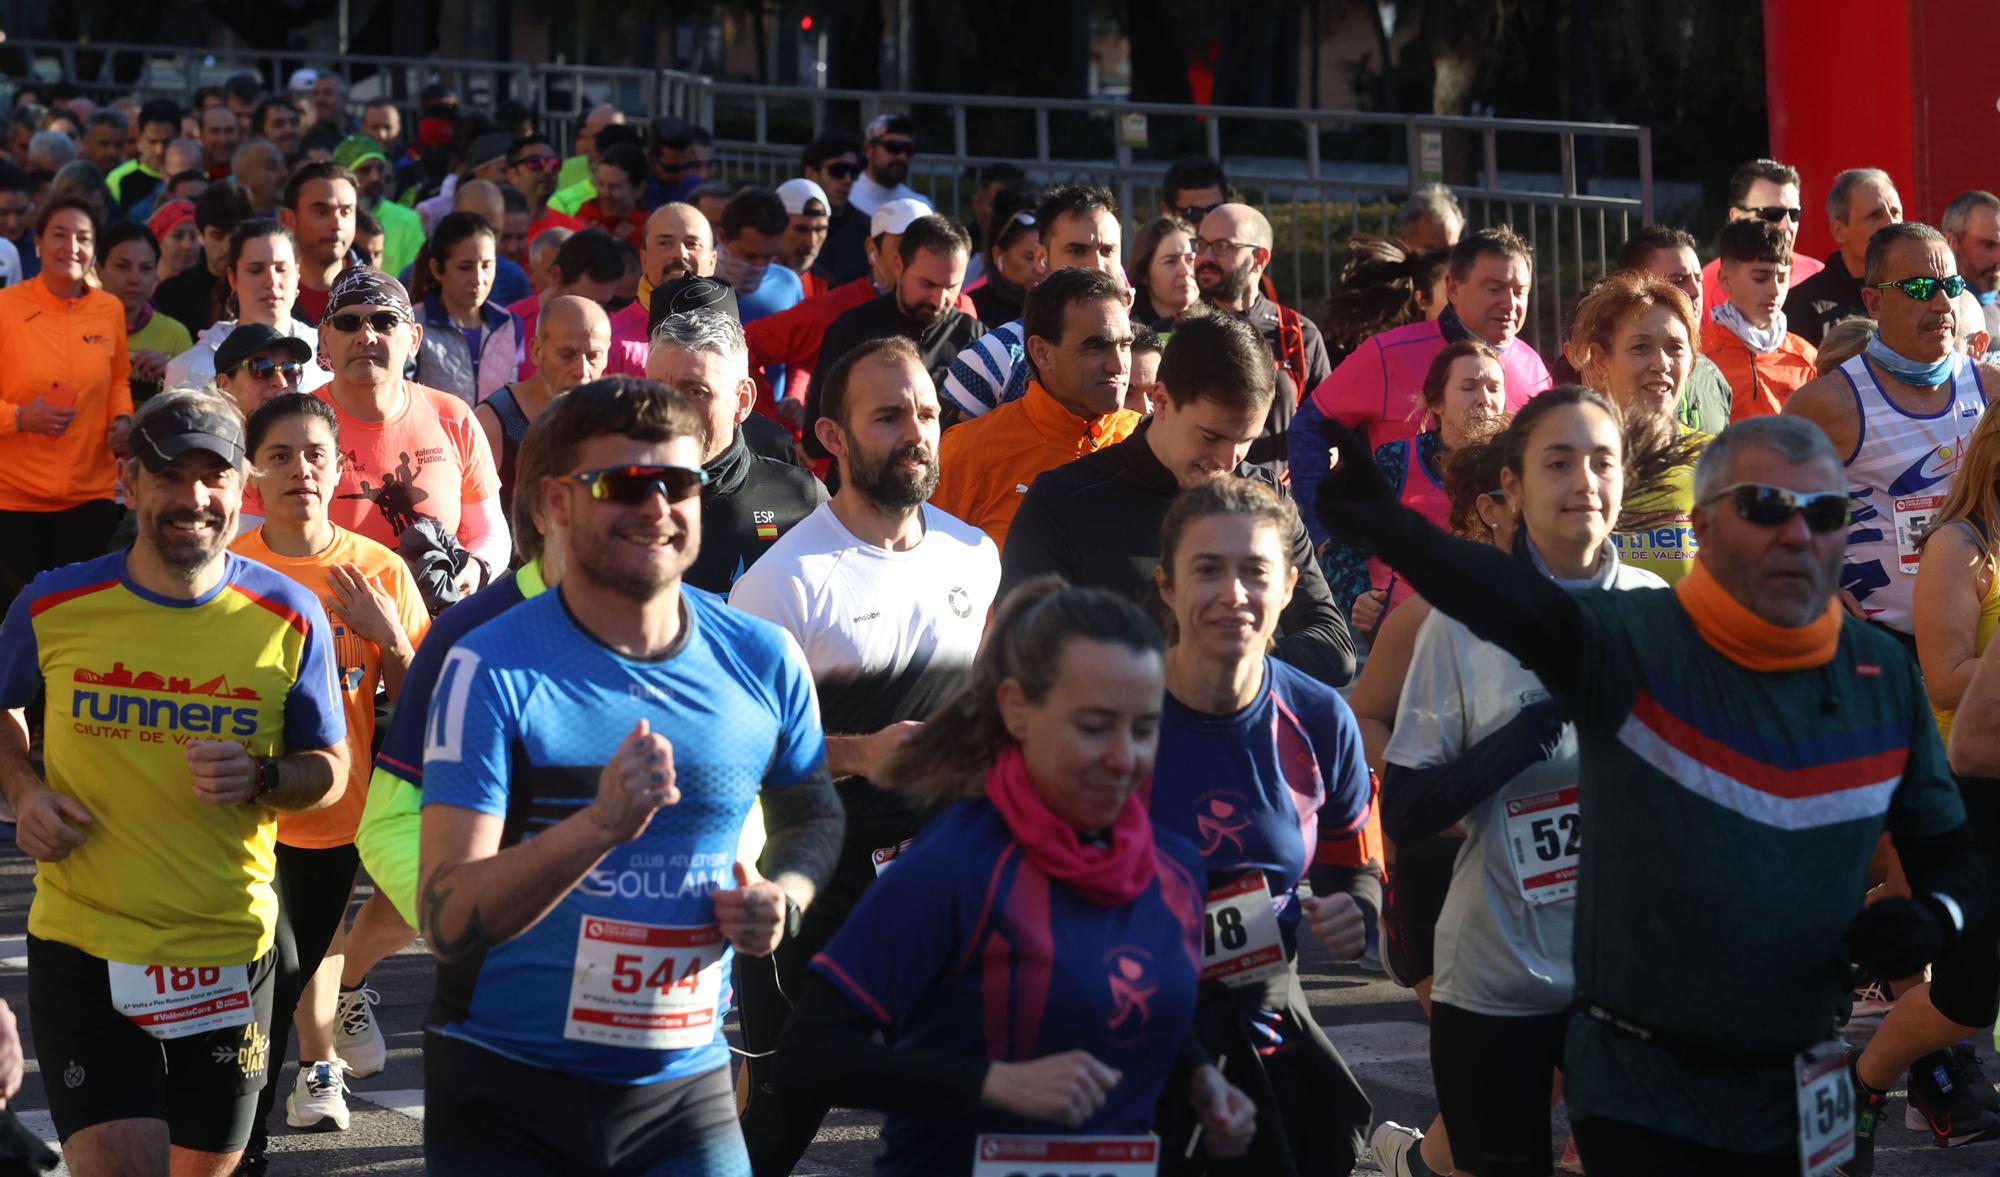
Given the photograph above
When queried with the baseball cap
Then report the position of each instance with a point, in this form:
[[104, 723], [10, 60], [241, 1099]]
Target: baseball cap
[[184, 425], [894, 216], [357, 149], [891, 124], [691, 293], [303, 79], [798, 194], [250, 338], [487, 148]]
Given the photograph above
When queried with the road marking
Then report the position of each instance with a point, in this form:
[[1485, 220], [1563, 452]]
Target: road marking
[[14, 954], [41, 1125], [406, 1102], [1381, 1042]]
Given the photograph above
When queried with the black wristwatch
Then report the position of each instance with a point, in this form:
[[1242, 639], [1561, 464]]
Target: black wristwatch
[[267, 779], [795, 918]]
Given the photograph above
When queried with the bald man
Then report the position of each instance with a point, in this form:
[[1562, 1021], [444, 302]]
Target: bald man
[[577, 168], [258, 168], [1232, 251], [571, 345], [678, 244]]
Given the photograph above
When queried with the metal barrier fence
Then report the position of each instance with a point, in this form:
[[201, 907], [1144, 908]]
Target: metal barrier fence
[[1574, 191]]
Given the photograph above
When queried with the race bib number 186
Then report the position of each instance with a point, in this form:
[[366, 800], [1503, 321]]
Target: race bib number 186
[[1066, 1156]]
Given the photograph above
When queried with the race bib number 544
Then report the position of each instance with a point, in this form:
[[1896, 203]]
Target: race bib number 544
[[645, 986]]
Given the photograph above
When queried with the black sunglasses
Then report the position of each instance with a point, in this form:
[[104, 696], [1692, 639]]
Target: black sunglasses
[[842, 170], [263, 366], [898, 146], [1193, 213], [1925, 289], [1773, 213], [632, 485], [348, 322], [1773, 506]]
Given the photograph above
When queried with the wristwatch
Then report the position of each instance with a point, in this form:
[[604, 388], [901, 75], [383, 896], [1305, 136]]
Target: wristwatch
[[795, 918], [267, 779]]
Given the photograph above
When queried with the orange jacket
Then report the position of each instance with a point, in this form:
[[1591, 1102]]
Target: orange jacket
[[986, 464], [71, 351], [1759, 384]]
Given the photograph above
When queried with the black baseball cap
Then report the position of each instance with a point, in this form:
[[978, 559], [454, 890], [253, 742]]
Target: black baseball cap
[[690, 293], [183, 425], [248, 339]]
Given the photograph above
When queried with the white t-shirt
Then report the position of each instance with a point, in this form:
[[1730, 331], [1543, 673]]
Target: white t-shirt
[[867, 195], [10, 263], [1497, 953], [888, 634], [195, 367]]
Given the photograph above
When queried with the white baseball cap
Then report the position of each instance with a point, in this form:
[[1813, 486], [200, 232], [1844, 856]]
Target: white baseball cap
[[797, 194], [303, 79], [894, 216]]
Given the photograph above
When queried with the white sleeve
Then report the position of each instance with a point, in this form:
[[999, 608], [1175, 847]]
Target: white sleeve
[[1430, 715], [483, 531]]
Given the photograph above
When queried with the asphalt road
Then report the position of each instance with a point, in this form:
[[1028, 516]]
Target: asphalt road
[[1377, 1026]]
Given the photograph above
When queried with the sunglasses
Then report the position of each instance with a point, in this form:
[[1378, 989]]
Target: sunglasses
[[348, 322], [1773, 506], [1193, 213], [1924, 289], [539, 163], [262, 367], [1774, 213], [841, 171], [631, 485], [898, 146]]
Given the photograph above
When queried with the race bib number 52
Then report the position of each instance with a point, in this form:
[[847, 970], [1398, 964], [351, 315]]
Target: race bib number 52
[[1545, 842]]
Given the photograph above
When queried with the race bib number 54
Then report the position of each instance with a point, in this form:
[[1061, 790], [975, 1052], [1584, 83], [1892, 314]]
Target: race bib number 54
[[645, 986], [1826, 1109]]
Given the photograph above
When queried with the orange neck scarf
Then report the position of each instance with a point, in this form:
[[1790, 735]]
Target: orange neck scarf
[[1747, 639]]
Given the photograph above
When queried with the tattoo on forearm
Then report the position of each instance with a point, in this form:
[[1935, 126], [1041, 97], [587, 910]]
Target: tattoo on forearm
[[804, 825], [437, 893]]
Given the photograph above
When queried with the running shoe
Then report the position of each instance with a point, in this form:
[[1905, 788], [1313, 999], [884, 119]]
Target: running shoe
[[1391, 1144], [1872, 998], [1943, 1102], [356, 1037], [1571, 1162], [318, 1102], [1966, 1068]]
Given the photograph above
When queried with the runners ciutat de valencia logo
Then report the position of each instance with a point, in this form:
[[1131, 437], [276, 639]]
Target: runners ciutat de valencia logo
[[110, 703]]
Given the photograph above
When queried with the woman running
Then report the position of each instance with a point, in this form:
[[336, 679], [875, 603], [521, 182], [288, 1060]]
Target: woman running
[[1257, 762], [1034, 955]]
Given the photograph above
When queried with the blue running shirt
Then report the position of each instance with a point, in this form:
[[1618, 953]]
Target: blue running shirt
[[526, 711]]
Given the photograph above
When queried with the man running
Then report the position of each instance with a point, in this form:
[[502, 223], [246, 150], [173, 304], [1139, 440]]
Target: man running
[[589, 759], [887, 595], [1710, 822], [191, 698]]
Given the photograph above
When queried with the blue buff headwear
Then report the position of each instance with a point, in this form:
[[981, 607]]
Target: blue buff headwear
[[1909, 371]]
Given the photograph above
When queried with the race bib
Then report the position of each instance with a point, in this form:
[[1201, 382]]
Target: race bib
[[1240, 940], [1066, 1156], [1826, 1109], [168, 1001], [1913, 519], [1545, 839], [645, 986], [888, 854]]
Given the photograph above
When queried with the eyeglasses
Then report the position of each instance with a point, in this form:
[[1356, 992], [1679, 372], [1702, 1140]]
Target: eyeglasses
[[898, 146], [1925, 289], [631, 485], [539, 163], [1193, 213], [841, 170], [348, 322], [262, 368], [1773, 506], [1774, 213], [1220, 247]]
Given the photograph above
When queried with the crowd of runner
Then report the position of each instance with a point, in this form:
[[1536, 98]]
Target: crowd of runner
[[935, 645]]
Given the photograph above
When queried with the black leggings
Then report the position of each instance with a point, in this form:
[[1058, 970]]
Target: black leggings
[[1494, 1076], [32, 542], [313, 889], [1615, 1149]]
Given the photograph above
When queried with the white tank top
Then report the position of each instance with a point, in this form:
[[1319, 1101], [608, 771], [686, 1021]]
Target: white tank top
[[1897, 477]]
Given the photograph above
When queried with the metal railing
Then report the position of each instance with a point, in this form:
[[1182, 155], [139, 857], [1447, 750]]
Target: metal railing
[[1574, 191]]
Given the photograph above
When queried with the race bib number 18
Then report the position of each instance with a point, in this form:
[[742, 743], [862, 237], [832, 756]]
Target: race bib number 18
[[1066, 1156], [171, 1002], [1545, 842], [645, 986], [1240, 939]]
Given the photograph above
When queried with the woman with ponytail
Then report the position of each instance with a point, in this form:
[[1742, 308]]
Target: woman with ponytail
[[1034, 954], [262, 283]]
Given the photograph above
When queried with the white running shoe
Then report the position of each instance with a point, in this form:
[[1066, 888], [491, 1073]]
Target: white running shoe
[[318, 1102], [1391, 1144], [356, 1037]]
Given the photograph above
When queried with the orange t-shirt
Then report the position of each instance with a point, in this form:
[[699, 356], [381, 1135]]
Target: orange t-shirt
[[359, 665], [72, 352], [430, 459], [986, 464]]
